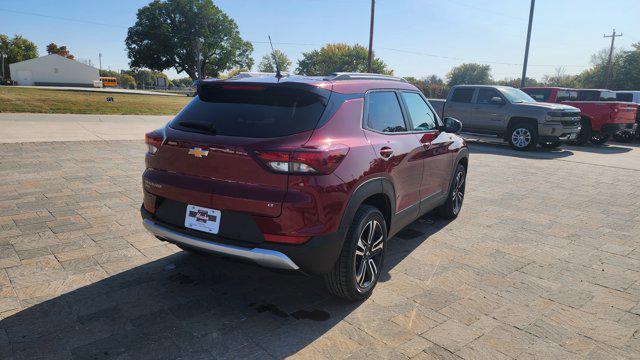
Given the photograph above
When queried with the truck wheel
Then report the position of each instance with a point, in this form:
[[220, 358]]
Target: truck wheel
[[551, 144], [451, 208], [358, 268], [585, 132], [523, 137], [599, 138], [624, 136]]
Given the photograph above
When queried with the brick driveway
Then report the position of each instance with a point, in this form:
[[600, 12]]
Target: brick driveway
[[544, 262]]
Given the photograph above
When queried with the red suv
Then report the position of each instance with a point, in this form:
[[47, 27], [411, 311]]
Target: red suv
[[303, 173]]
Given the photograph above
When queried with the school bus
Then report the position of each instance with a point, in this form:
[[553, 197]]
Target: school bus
[[109, 81]]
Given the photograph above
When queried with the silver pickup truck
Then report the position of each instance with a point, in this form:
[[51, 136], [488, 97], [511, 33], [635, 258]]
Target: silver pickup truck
[[510, 114]]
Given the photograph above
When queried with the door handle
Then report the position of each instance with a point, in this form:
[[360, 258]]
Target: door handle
[[386, 152]]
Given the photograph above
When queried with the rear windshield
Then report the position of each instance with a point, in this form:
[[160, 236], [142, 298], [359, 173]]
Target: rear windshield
[[253, 111], [596, 95]]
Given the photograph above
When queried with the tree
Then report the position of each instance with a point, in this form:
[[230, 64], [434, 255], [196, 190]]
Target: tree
[[109, 73], [561, 79], [52, 48], [339, 58], [469, 74], [515, 82], [16, 49], [628, 75], [175, 33], [267, 64], [146, 78], [183, 82], [127, 81]]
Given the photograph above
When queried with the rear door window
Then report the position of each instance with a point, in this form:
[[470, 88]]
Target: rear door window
[[588, 95], [422, 118], [254, 111], [384, 113], [463, 95], [627, 97]]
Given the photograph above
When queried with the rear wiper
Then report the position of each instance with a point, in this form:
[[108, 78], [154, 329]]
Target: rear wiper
[[199, 125]]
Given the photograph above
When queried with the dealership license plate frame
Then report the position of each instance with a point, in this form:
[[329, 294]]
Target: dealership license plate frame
[[203, 219]]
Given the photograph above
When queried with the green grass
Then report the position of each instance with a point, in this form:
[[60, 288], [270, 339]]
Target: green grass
[[34, 100]]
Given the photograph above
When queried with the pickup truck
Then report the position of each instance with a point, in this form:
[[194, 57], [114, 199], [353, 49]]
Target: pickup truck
[[601, 114], [510, 114]]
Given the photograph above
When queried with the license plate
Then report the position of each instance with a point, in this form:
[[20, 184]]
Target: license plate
[[202, 219]]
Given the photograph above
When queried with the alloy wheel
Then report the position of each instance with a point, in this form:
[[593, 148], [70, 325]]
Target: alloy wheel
[[521, 137], [368, 255], [457, 195]]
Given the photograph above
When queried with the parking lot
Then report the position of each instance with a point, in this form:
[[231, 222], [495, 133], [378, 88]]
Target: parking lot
[[544, 262]]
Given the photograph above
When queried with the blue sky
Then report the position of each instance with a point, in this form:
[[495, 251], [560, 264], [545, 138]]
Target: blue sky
[[414, 37]]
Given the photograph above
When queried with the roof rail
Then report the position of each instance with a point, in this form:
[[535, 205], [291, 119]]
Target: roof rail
[[363, 76]]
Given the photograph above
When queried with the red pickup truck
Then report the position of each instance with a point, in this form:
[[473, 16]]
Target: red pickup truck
[[601, 114]]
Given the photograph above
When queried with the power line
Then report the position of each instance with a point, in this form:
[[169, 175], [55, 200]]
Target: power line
[[305, 44], [64, 18]]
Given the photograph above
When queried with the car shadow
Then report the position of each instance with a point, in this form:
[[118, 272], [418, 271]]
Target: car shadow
[[190, 306], [608, 148]]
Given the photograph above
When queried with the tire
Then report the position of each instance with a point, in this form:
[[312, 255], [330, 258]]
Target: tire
[[451, 208], [551, 145], [624, 136], [585, 132], [599, 138], [523, 136], [358, 253]]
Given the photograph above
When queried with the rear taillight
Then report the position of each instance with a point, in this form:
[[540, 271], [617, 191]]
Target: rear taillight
[[153, 140], [305, 161]]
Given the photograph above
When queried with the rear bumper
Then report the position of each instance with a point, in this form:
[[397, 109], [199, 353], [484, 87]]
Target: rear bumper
[[263, 257], [316, 256]]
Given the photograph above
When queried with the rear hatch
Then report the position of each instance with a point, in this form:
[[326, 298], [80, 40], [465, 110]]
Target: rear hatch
[[208, 157]]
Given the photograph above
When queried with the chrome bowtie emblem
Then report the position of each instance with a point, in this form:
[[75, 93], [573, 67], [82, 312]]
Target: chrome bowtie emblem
[[198, 152]]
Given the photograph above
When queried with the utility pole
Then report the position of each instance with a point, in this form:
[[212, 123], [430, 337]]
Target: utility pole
[[523, 79], [609, 70], [100, 61], [373, 10]]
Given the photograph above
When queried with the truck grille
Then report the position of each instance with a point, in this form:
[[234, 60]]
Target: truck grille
[[570, 123]]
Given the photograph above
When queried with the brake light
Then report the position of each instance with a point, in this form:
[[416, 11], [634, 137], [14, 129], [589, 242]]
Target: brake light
[[154, 140], [305, 161]]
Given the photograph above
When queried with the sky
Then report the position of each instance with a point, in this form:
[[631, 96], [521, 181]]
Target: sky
[[414, 37]]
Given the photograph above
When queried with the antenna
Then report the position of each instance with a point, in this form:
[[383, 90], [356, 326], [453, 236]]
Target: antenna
[[275, 59]]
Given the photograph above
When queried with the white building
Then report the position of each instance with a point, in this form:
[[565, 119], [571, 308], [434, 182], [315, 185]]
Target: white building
[[54, 70]]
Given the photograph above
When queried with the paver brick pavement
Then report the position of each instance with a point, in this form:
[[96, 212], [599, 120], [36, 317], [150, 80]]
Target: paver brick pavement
[[543, 262]]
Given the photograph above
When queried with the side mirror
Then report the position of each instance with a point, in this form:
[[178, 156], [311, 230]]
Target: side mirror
[[496, 100], [452, 125]]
